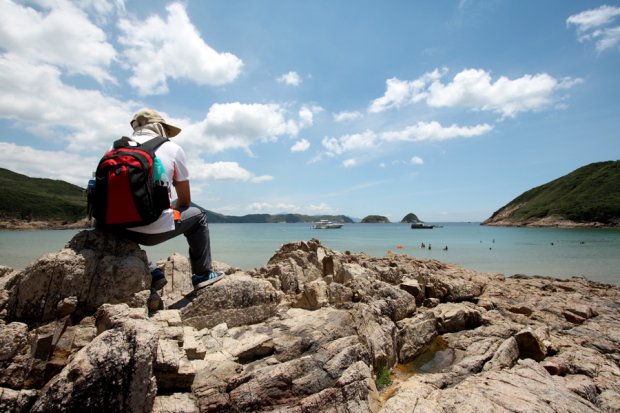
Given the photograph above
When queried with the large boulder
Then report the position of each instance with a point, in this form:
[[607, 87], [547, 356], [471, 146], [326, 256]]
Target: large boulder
[[238, 299], [113, 373], [93, 269]]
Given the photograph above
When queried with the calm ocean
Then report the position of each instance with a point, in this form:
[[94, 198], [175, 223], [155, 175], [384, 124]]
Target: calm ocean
[[559, 252]]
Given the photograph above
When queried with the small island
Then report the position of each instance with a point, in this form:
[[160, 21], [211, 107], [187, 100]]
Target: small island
[[375, 219], [410, 218]]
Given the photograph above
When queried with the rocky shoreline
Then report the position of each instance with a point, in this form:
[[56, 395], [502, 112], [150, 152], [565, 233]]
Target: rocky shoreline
[[19, 224], [548, 223], [504, 219], [308, 332]]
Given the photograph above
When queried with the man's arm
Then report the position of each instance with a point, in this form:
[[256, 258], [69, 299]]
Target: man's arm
[[183, 194]]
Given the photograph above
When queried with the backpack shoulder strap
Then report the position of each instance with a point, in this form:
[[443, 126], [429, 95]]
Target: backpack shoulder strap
[[121, 143], [151, 145]]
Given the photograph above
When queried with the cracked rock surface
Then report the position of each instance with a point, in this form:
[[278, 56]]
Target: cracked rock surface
[[307, 332]]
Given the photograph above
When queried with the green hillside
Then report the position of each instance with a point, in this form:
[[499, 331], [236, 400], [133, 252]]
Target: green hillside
[[22, 197], [590, 194]]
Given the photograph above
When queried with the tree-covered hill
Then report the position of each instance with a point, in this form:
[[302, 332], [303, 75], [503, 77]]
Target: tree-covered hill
[[25, 198], [588, 195]]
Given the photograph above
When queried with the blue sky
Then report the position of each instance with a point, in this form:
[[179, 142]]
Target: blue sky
[[445, 109]]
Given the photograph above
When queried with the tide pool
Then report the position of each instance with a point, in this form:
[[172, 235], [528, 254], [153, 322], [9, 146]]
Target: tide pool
[[559, 252]]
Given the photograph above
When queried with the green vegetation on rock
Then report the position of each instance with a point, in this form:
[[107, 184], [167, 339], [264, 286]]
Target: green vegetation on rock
[[375, 219], [383, 378], [590, 194], [26, 198]]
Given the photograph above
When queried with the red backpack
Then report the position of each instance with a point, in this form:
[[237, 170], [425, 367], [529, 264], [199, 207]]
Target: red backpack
[[126, 194]]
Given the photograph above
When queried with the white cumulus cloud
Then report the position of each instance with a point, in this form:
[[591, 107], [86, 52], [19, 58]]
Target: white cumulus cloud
[[160, 49], [475, 89], [349, 163], [300, 146], [290, 79], [58, 34], [239, 125], [599, 25], [225, 171], [402, 92], [416, 160]]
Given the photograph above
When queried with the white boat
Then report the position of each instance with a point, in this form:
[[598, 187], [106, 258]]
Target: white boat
[[325, 224]]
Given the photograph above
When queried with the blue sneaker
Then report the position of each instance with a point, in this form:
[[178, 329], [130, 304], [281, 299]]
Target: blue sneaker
[[201, 281], [158, 279]]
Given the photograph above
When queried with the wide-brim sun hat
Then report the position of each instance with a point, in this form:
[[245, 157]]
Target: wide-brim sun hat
[[146, 116]]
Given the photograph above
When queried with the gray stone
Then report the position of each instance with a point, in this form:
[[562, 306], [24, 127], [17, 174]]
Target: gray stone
[[15, 354], [414, 334], [237, 300], [95, 268], [16, 401], [112, 373]]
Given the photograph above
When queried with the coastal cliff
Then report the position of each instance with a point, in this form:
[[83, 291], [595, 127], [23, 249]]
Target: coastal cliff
[[587, 197], [311, 331]]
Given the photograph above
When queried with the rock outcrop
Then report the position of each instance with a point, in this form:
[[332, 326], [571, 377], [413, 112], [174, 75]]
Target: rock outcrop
[[308, 332]]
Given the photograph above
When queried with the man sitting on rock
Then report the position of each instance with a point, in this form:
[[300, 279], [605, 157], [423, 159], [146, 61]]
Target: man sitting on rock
[[183, 219]]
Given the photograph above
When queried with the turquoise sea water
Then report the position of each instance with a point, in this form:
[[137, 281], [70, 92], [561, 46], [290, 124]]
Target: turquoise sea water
[[559, 252]]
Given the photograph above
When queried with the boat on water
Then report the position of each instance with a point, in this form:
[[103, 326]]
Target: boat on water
[[421, 225], [325, 224]]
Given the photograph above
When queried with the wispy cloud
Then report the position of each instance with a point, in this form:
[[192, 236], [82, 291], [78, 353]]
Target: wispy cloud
[[278, 207], [347, 116], [346, 143], [434, 131], [370, 141], [599, 25]]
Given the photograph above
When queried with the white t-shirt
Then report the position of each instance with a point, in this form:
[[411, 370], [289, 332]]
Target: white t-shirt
[[173, 158]]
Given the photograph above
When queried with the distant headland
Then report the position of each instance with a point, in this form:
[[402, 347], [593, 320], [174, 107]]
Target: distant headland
[[586, 197]]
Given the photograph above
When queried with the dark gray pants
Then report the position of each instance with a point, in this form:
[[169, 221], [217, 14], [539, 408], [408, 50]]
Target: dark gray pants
[[194, 226]]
